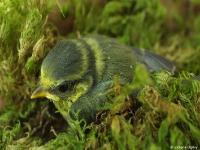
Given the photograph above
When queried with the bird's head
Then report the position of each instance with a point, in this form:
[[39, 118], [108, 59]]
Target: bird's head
[[64, 73]]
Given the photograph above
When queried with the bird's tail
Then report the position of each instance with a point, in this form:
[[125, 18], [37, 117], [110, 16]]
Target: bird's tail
[[197, 77], [153, 61]]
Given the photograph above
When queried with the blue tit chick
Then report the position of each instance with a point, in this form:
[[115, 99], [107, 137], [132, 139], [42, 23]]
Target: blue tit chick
[[76, 74]]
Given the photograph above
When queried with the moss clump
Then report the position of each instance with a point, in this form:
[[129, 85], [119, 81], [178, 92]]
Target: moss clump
[[166, 110]]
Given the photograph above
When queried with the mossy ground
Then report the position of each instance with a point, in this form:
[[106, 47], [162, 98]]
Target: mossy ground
[[166, 112]]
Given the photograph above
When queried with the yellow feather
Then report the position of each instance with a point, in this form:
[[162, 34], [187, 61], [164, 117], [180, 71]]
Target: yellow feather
[[98, 54]]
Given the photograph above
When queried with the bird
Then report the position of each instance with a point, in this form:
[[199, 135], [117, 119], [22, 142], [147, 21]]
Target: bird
[[77, 73]]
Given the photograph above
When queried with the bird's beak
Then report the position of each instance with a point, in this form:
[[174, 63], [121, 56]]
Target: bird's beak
[[39, 92]]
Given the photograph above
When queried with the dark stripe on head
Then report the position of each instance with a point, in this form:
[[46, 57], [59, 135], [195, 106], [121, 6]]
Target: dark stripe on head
[[68, 60]]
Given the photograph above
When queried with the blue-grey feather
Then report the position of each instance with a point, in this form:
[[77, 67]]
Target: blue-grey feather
[[63, 60]]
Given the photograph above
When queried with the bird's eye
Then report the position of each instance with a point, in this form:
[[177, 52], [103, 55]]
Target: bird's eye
[[63, 87], [66, 86]]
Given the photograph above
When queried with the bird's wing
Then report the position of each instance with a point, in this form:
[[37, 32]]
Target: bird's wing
[[153, 61]]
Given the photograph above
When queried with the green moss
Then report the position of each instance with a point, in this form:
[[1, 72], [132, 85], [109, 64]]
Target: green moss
[[166, 111]]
